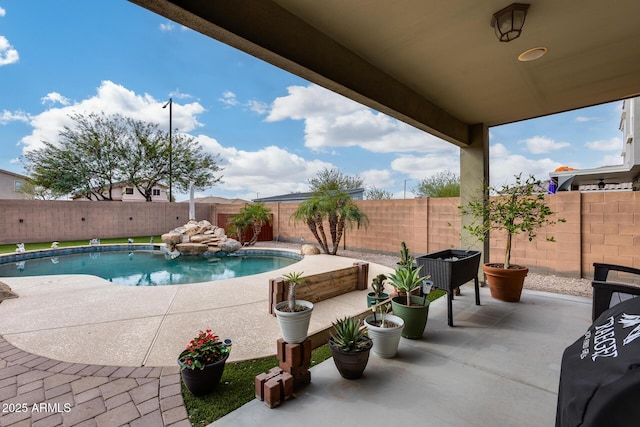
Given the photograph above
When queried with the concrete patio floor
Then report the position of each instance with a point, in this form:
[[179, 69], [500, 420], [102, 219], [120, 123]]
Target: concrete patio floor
[[499, 366]]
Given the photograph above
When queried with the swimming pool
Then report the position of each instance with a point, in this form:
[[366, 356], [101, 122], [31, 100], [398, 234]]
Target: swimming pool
[[143, 265]]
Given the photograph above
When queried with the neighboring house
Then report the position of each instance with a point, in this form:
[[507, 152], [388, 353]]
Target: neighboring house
[[356, 194], [127, 193], [10, 184], [624, 177], [217, 200]]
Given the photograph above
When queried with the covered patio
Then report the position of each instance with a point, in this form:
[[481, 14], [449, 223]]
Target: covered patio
[[499, 366]]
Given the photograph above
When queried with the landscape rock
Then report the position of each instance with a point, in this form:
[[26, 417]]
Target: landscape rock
[[192, 248], [229, 245], [309, 250]]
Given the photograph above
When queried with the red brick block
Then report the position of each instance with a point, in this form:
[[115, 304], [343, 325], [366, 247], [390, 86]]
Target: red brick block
[[272, 392], [262, 379]]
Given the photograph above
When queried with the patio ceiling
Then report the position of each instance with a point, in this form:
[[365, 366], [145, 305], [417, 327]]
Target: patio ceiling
[[435, 64]]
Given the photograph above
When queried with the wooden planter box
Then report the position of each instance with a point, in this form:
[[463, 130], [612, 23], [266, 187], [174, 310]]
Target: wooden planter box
[[449, 269]]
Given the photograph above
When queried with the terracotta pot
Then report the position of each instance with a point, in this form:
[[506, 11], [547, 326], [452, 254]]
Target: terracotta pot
[[505, 284]]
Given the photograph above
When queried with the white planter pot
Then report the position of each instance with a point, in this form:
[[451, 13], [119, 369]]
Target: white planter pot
[[294, 326], [385, 340]]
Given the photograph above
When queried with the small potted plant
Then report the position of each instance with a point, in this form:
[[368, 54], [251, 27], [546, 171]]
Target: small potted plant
[[350, 347], [378, 294], [384, 330], [517, 208], [412, 309], [294, 315], [202, 362]]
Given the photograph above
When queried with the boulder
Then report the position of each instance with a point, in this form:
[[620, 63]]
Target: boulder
[[309, 250], [171, 239], [201, 238], [229, 245], [191, 248], [219, 232]]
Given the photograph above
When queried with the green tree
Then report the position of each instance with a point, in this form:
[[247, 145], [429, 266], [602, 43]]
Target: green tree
[[442, 184], [331, 203], [254, 215], [100, 151], [374, 193], [333, 179]]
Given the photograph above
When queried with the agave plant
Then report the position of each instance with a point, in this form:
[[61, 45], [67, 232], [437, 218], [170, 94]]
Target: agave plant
[[294, 279], [348, 335], [406, 279]]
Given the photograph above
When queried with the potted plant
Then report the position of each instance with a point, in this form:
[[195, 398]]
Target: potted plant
[[412, 309], [202, 362], [294, 315], [406, 259], [350, 347], [378, 294], [384, 330], [518, 208]]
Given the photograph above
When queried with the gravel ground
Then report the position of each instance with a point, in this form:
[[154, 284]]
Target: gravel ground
[[534, 281]]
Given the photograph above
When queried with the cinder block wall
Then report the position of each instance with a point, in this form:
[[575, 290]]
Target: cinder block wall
[[599, 227], [29, 221]]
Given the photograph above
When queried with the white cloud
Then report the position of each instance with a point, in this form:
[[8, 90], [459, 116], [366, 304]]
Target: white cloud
[[612, 144], [379, 178], [111, 98], [7, 117], [167, 26], [2, 12], [53, 98], [611, 160], [258, 107], [8, 55], [583, 119], [420, 167], [541, 145], [268, 171], [229, 99], [332, 120], [505, 165]]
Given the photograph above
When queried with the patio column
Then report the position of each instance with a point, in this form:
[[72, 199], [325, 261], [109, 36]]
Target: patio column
[[474, 177]]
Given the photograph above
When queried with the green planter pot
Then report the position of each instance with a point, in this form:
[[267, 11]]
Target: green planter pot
[[373, 300], [414, 316]]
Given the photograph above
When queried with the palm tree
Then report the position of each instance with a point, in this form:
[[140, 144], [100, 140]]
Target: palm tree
[[253, 215], [337, 208]]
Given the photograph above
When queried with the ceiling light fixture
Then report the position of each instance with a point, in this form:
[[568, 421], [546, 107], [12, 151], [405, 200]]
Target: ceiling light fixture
[[532, 54], [509, 21]]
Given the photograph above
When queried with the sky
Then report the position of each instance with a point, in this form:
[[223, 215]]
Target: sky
[[272, 130]]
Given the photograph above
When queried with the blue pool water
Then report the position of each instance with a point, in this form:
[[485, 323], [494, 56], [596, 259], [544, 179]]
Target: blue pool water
[[149, 267]]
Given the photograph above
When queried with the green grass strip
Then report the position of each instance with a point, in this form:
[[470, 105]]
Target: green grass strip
[[9, 248]]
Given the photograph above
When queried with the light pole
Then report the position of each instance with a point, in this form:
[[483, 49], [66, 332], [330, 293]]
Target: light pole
[[170, 104]]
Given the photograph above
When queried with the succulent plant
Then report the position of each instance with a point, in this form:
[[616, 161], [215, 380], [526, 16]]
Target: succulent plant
[[293, 279], [377, 284], [348, 335]]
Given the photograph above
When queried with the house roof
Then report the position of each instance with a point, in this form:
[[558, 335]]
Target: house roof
[[436, 64], [17, 175], [217, 200], [356, 194]]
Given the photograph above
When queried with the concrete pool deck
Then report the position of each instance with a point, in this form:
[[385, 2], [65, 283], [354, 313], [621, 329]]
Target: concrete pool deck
[[88, 320]]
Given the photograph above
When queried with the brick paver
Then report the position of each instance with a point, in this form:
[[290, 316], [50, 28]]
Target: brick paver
[[37, 391]]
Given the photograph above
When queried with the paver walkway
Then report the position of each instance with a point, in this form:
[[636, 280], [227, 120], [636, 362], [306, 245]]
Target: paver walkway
[[38, 391]]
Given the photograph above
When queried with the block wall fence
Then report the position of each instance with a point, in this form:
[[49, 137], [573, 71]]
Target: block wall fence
[[599, 227]]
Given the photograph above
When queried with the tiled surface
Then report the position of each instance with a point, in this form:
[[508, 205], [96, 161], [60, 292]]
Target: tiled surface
[[38, 391]]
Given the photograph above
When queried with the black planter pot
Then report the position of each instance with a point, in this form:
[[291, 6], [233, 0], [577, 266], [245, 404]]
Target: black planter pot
[[351, 364], [203, 381]]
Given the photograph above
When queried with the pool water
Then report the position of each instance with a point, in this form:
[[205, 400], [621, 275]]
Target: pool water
[[147, 268]]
